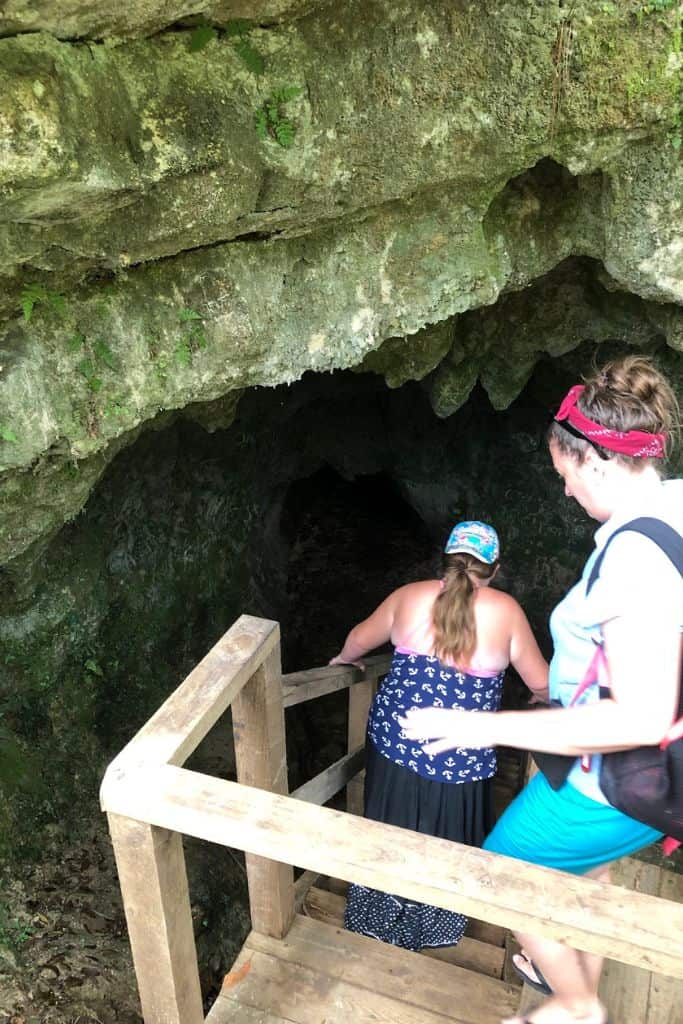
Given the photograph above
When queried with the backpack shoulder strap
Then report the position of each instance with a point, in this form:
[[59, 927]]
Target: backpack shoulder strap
[[663, 535]]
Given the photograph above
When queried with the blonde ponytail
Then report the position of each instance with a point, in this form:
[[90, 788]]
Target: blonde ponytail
[[455, 628]]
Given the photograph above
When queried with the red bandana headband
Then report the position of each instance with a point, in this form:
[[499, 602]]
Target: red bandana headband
[[638, 443]]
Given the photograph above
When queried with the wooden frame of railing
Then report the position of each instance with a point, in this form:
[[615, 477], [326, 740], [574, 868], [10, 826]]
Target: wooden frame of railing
[[152, 801]]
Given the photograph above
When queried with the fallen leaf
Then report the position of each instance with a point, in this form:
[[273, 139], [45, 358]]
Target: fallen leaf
[[234, 977]]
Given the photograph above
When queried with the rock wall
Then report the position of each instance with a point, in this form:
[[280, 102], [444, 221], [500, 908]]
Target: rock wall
[[159, 247]]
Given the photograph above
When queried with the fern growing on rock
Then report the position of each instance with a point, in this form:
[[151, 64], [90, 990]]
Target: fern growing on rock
[[272, 122]]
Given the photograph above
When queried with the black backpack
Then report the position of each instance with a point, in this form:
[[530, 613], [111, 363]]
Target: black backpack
[[644, 782]]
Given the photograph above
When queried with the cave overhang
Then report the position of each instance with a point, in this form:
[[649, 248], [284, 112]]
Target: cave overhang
[[166, 256]]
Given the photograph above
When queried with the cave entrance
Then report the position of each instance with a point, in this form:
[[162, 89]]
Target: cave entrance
[[350, 543]]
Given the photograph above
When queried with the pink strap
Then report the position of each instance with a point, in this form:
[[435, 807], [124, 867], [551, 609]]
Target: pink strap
[[669, 844], [592, 676], [674, 733]]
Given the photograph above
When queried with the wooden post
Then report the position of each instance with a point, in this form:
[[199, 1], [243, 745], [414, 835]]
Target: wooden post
[[258, 720], [631, 992], [360, 699], [156, 901]]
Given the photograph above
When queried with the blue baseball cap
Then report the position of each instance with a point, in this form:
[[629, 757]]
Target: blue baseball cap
[[474, 538]]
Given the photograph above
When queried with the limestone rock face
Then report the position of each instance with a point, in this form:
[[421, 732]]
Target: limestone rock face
[[92, 19], [167, 250]]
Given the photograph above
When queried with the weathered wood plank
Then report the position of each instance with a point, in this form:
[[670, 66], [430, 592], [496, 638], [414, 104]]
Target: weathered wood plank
[[665, 1004], [360, 699], [493, 934], [469, 953], [325, 906], [302, 886], [472, 955], [624, 989], [529, 1000], [355, 794], [225, 1011], [634, 928], [308, 995], [258, 721], [318, 682], [325, 785], [666, 994], [182, 721], [391, 971], [156, 902], [336, 885], [512, 947]]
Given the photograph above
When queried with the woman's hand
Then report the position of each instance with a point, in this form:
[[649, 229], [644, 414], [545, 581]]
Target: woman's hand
[[448, 729], [338, 660]]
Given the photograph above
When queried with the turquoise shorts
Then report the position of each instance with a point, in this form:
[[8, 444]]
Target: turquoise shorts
[[566, 830]]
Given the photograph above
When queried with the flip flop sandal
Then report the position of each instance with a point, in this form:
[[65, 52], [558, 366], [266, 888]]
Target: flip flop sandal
[[540, 986]]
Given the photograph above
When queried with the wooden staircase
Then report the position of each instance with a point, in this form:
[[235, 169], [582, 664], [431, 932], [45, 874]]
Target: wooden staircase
[[298, 965], [322, 973]]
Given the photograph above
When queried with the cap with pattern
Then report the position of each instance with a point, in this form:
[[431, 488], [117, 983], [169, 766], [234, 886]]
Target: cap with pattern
[[474, 538]]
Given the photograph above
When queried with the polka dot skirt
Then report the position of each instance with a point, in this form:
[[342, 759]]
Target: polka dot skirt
[[401, 922]]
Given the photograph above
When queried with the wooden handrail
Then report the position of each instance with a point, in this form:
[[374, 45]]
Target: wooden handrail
[[318, 682], [641, 930], [324, 786], [182, 721]]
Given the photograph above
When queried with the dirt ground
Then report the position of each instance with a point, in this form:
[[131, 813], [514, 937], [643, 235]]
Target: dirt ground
[[64, 954]]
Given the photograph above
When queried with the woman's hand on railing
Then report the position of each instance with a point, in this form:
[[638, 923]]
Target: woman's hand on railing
[[338, 660]]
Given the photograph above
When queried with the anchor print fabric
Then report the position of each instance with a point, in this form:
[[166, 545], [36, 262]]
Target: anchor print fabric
[[420, 680]]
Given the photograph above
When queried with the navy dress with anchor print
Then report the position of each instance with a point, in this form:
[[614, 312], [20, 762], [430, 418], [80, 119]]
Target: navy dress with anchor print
[[446, 795]]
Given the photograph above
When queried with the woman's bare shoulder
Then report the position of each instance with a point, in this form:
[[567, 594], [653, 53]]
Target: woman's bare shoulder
[[412, 597], [423, 589], [497, 601]]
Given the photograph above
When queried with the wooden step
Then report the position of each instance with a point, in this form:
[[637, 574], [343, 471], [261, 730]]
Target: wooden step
[[320, 972], [470, 953]]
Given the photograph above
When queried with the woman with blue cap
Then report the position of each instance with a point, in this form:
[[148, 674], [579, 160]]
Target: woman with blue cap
[[453, 640]]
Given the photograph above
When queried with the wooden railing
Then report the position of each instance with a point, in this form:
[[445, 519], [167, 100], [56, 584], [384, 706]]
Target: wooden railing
[[152, 801]]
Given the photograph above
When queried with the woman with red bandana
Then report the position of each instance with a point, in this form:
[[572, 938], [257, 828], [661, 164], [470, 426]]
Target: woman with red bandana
[[607, 443]]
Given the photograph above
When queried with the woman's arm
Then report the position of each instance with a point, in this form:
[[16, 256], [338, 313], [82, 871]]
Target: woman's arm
[[644, 659], [526, 658], [372, 632]]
